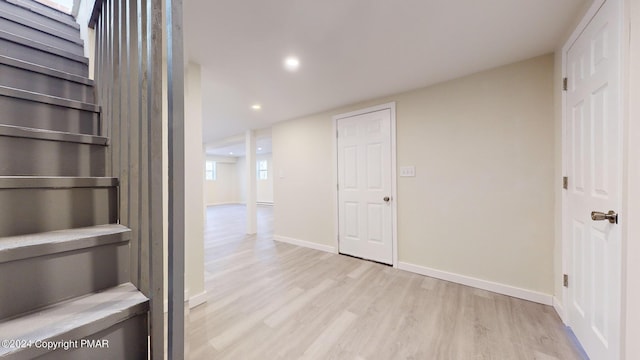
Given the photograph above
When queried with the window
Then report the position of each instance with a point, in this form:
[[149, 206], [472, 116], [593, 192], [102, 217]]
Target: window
[[210, 170], [263, 170]]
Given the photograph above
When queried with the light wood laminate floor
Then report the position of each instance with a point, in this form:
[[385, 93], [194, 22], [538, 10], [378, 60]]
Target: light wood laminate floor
[[269, 300]]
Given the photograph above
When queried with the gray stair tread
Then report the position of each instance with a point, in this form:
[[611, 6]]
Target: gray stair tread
[[61, 17], [47, 99], [44, 70], [74, 319], [42, 47], [51, 135], [40, 27], [19, 247], [55, 182]]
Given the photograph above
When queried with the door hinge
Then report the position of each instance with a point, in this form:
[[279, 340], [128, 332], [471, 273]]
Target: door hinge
[[565, 84], [337, 134], [565, 280], [338, 187], [565, 182]]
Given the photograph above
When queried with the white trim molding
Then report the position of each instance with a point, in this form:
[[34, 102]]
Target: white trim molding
[[225, 203], [520, 293], [193, 301], [559, 307], [304, 243], [198, 299]]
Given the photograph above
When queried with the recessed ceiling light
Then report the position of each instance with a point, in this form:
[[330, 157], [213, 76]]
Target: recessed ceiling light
[[256, 107], [259, 149], [292, 63], [231, 153]]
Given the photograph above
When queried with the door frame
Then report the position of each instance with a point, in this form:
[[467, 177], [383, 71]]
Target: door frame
[[631, 230], [562, 308], [578, 30], [394, 195]]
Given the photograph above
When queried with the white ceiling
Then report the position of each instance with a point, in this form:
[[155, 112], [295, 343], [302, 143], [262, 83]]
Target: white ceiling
[[235, 147], [351, 50]]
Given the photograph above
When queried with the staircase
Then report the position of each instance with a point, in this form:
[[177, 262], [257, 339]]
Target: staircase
[[64, 259]]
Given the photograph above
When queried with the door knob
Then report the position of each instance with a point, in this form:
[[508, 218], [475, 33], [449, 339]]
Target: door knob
[[386, 199], [599, 216]]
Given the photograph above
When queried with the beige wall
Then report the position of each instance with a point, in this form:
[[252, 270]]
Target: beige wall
[[481, 203], [303, 184], [225, 189], [264, 188], [194, 184], [84, 10], [241, 179]]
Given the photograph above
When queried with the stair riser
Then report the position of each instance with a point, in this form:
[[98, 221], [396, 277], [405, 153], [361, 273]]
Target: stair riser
[[52, 158], [29, 211], [127, 340], [40, 36], [49, 85], [21, 112], [46, 280], [44, 10], [38, 18], [43, 58]]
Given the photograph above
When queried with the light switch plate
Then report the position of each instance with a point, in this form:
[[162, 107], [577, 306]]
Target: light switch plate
[[407, 171]]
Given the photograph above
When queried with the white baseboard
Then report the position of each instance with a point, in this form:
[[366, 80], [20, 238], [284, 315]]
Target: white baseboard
[[304, 243], [225, 203], [198, 299], [265, 203], [193, 301], [495, 287], [559, 307]]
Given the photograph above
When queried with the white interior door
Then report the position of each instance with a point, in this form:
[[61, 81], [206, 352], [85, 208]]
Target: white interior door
[[364, 186], [594, 169]]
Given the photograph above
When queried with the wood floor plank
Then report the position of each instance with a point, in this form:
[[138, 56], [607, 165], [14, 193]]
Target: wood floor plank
[[330, 335], [234, 332], [271, 300], [284, 313], [366, 265]]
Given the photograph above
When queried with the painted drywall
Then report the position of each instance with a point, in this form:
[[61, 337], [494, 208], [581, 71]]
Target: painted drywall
[[303, 184], [85, 9], [229, 186], [265, 187], [194, 184], [225, 188], [481, 203], [241, 176]]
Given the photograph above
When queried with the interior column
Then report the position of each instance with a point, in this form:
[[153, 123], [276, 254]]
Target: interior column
[[251, 189]]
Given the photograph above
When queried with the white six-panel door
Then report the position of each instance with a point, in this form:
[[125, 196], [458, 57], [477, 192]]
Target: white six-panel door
[[594, 183], [364, 186]]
